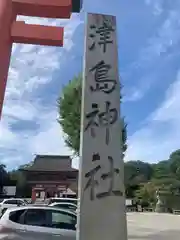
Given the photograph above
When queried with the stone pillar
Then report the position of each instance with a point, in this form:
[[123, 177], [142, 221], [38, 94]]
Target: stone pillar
[[161, 206], [6, 18], [101, 173]]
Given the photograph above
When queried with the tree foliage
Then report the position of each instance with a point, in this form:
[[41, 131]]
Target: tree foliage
[[146, 193], [141, 178], [15, 178], [3, 176], [69, 109]]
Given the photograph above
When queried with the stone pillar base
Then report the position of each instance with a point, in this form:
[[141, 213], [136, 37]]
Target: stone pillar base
[[160, 208]]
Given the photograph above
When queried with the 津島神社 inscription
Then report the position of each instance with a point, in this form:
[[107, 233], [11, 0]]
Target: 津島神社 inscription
[[101, 119], [101, 180]]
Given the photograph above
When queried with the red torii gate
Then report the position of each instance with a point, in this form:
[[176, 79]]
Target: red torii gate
[[12, 31]]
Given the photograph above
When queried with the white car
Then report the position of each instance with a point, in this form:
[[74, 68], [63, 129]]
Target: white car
[[65, 206], [61, 200], [42, 223], [11, 202]]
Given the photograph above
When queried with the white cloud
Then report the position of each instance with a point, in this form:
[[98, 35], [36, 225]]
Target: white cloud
[[161, 135], [6, 134], [133, 95], [155, 53], [166, 36], [50, 137], [157, 6], [20, 110], [170, 108], [136, 93], [31, 69]]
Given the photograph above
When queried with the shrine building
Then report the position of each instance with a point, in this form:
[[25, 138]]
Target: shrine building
[[51, 176]]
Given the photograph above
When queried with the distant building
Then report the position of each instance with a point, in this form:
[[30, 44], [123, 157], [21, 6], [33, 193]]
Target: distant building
[[51, 176], [129, 202], [9, 191]]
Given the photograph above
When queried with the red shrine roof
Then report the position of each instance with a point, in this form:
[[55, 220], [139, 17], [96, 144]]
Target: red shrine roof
[[51, 163]]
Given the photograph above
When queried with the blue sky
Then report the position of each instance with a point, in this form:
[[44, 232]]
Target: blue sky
[[148, 45]]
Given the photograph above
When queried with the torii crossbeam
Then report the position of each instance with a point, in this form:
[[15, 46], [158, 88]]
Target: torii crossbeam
[[12, 31]]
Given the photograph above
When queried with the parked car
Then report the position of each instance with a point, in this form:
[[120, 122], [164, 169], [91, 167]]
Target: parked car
[[65, 205], [42, 223], [66, 200], [11, 202]]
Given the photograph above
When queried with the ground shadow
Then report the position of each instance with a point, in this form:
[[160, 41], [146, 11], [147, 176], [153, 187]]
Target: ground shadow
[[162, 235]]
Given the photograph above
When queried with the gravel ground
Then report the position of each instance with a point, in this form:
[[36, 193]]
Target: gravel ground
[[153, 226]]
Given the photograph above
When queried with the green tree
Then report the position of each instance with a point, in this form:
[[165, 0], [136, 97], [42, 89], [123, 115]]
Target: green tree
[[174, 162], [146, 194], [3, 177], [69, 109], [136, 172], [23, 189], [161, 170]]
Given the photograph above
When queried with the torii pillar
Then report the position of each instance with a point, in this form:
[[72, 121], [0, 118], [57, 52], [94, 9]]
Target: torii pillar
[[12, 31]]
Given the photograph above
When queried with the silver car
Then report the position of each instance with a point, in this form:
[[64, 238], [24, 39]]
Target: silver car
[[43, 223], [11, 203], [62, 200], [66, 206]]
